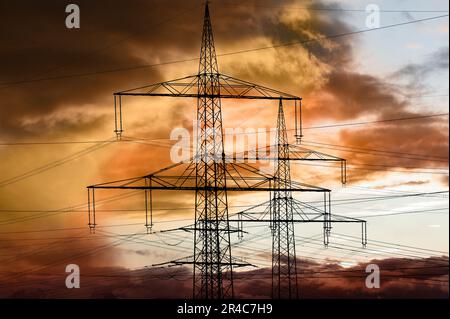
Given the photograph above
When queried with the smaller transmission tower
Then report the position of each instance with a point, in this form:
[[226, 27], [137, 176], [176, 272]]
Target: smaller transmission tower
[[282, 211], [283, 243]]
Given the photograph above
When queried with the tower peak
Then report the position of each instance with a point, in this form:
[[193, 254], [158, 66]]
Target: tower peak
[[208, 59]]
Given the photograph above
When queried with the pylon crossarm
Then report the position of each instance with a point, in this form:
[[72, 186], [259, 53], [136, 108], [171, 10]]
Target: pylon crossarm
[[132, 180], [182, 177], [192, 228], [301, 153], [230, 88], [305, 213], [308, 214], [296, 154], [173, 262], [297, 221], [260, 217], [346, 219], [209, 188], [235, 263], [269, 153]]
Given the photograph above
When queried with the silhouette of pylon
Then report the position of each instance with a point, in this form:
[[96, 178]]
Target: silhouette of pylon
[[212, 251], [284, 262]]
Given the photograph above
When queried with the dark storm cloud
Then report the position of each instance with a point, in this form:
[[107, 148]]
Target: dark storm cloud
[[117, 34], [39, 254], [113, 34], [358, 95], [400, 278], [299, 68]]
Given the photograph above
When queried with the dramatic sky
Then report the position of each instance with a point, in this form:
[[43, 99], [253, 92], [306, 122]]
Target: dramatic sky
[[56, 109]]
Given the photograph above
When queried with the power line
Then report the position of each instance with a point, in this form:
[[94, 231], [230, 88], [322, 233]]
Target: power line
[[76, 256], [424, 96], [133, 139], [313, 241], [337, 35], [127, 235], [425, 156], [53, 164], [179, 220], [348, 236], [376, 154], [378, 121], [444, 170], [402, 248], [132, 272], [393, 244], [338, 202], [360, 167], [372, 251], [417, 156], [26, 143], [52, 143], [406, 213], [388, 197], [411, 249], [327, 9], [169, 247], [65, 210], [251, 248], [145, 66], [135, 224], [181, 276], [111, 45]]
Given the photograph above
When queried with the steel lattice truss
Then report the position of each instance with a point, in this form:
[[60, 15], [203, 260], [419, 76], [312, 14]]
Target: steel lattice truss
[[292, 153], [284, 260], [183, 177], [228, 86]]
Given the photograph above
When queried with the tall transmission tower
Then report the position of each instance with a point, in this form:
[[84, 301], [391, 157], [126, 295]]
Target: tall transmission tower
[[212, 252], [210, 174]]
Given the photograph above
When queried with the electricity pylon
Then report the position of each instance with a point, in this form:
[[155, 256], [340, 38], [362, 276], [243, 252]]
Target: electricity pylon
[[282, 208], [283, 242], [212, 251], [210, 174]]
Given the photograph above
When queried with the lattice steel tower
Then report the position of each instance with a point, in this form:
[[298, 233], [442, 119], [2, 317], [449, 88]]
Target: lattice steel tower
[[212, 251], [284, 272]]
